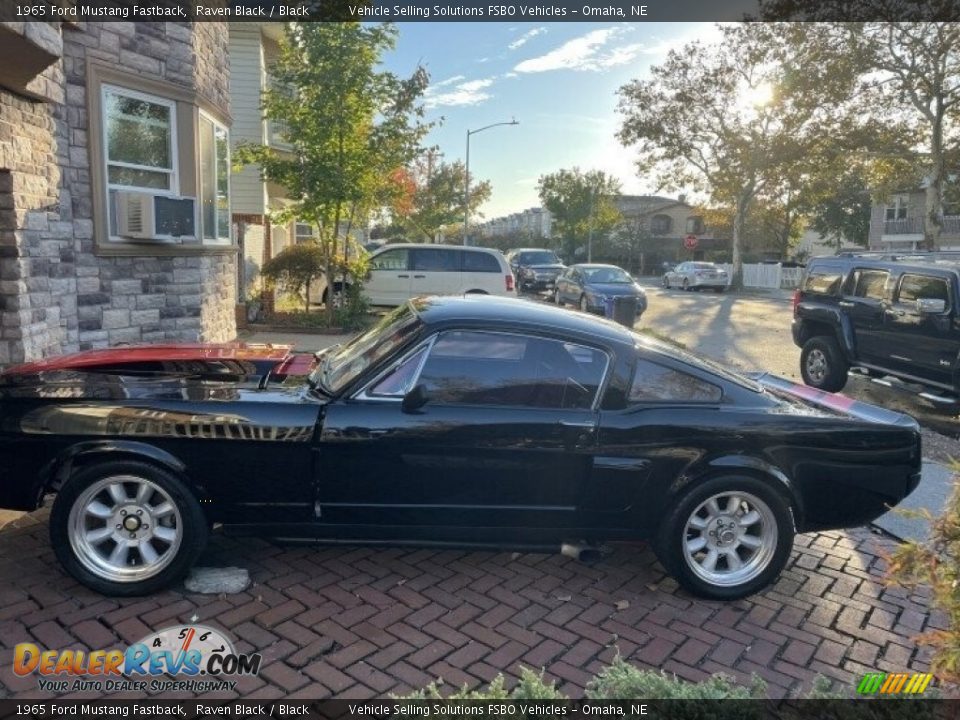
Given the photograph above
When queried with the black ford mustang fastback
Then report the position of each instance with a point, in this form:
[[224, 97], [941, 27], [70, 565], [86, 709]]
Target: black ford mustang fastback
[[467, 421]]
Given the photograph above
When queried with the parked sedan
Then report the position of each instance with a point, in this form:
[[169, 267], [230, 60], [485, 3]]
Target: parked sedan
[[697, 275], [536, 269], [474, 421], [591, 287]]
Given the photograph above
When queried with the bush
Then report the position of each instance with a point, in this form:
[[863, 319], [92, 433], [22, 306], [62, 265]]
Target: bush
[[295, 268], [936, 563]]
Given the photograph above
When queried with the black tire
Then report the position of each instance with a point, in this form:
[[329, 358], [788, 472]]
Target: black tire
[[476, 292], [672, 537], [584, 305], [686, 285], [822, 364], [192, 527], [665, 283]]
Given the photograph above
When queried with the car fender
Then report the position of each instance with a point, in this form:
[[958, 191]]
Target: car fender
[[839, 323], [743, 464], [58, 470]]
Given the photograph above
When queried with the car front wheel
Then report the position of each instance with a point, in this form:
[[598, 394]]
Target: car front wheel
[[584, 305], [686, 284], [727, 538], [822, 364], [126, 528]]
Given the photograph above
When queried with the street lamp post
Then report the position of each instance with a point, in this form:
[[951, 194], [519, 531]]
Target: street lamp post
[[466, 178]]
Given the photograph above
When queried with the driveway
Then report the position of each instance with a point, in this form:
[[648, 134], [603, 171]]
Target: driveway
[[361, 622]]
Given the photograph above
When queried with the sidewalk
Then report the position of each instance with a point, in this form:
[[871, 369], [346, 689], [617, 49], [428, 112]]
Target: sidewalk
[[932, 494], [302, 341]]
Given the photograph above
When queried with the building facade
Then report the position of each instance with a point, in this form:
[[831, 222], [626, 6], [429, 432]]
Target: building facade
[[897, 224], [114, 186]]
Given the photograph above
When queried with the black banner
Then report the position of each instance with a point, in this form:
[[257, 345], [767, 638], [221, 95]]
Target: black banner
[[499, 709], [477, 11]]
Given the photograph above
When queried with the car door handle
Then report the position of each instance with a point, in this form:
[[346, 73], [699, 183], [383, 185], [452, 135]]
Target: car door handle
[[896, 313], [846, 304], [403, 276], [419, 277]]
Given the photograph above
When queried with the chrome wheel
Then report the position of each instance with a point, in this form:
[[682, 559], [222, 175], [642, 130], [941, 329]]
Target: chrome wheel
[[817, 365], [730, 538], [125, 528]]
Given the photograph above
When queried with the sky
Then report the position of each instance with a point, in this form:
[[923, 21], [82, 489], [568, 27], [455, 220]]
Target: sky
[[558, 80]]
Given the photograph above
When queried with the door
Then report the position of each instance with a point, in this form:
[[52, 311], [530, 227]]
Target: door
[[434, 271], [505, 439], [389, 280], [923, 344], [863, 301]]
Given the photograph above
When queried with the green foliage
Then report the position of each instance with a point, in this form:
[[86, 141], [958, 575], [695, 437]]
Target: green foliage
[[295, 268], [936, 563], [437, 196], [845, 213], [354, 311], [623, 680], [582, 204], [349, 125]]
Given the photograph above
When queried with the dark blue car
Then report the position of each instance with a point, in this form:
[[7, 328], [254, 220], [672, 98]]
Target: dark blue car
[[591, 287]]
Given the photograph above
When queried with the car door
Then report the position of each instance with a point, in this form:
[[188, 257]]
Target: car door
[[434, 271], [505, 439], [864, 295], [922, 344], [388, 282]]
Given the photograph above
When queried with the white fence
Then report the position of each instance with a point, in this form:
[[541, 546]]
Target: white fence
[[762, 275]]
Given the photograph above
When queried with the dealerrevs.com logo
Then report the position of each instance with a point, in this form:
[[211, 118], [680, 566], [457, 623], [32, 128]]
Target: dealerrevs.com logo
[[182, 657]]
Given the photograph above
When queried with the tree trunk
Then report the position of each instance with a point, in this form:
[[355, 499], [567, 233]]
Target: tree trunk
[[933, 218], [306, 307], [743, 205]]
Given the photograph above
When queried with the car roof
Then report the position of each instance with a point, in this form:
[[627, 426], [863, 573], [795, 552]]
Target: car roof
[[510, 312], [913, 263], [432, 246], [532, 249], [597, 266]]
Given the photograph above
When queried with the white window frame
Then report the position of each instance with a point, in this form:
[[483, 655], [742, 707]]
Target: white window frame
[[174, 190], [898, 203], [297, 237], [198, 203]]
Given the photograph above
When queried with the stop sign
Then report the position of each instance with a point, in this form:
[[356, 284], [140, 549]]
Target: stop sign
[[690, 242]]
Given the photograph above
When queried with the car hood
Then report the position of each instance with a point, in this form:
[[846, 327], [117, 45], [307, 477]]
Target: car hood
[[223, 362], [615, 289], [543, 268]]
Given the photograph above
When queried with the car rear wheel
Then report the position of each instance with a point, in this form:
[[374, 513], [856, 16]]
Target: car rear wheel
[[686, 284], [727, 538], [822, 365], [126, 528], [584, 306]]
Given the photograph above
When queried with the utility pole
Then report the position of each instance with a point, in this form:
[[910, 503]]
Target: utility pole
[[466, 178]]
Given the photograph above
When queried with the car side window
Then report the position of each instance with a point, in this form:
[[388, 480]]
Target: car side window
[[823, 281], [914, 287], [435, 260], [399, 381], [508, 370], [390, 260], [868, 284], [480, 262], [657, 383]]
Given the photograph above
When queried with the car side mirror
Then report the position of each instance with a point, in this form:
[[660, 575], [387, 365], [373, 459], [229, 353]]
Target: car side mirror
[[414, 400], [930, 306]]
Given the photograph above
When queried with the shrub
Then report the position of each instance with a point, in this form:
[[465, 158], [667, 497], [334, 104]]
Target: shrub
[[295, 268]]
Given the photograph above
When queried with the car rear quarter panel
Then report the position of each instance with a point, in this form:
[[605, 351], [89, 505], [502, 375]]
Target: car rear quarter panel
[[835, 472]]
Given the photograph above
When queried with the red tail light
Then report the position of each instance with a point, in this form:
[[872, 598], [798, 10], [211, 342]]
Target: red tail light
[[796, 300], [509, 281]]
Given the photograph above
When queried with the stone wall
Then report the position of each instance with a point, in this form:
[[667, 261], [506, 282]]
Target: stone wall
[[57, 294]]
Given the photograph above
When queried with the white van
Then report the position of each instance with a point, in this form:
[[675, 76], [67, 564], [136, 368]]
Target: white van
[[400, 272]]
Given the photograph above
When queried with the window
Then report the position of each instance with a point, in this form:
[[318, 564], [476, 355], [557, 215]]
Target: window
[[656, 383], [660, 224], [435, 260], [914, 287], [897, 208], [139, 136], [695, 225], [303, 232], [400, 380], [869, 284], [480, 262], [484, 368], [390, 260], [214, 181], [825, 281]]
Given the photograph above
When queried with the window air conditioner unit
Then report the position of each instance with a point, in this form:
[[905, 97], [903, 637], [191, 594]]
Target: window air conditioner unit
[[145, 216]]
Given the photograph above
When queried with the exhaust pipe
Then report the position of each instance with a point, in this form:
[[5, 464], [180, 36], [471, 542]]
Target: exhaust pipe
[[581, 552]]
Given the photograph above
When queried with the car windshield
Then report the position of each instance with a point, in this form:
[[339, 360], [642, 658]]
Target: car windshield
[[611, 275], [540, 257], [347, 363], [704, 266]]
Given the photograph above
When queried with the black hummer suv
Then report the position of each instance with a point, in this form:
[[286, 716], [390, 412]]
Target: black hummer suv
[[886, 315]]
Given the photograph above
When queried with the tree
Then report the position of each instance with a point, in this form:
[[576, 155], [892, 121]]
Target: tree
[[731, 119], [845, 213], [582, 205], [349, 125], [295, 268], [913, 71], [437, 198]]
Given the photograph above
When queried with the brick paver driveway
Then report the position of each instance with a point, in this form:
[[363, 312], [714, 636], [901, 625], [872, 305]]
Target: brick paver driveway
[[366, 622]]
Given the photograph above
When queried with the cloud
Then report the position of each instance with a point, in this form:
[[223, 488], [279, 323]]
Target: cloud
[[462, 92], [526, 37], [448, 81], [592, 52]]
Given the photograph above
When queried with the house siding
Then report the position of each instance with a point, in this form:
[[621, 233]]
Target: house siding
[[248, 195]]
